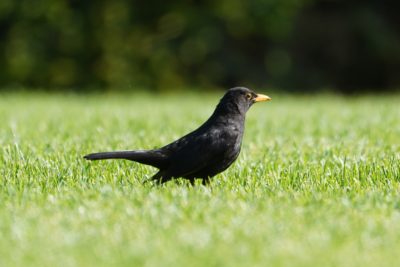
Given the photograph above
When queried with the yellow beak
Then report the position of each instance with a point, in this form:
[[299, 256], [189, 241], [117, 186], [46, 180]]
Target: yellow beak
[[261, 98]]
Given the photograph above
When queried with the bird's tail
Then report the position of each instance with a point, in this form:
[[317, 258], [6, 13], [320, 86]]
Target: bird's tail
[[150, 157], [111, 155]]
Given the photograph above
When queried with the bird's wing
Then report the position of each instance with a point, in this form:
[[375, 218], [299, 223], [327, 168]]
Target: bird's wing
[[195, 152]]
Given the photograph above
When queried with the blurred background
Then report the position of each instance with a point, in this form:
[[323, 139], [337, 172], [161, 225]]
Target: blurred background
[[291, 45]]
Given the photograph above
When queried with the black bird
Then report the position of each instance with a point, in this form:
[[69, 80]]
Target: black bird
[[203, 153]]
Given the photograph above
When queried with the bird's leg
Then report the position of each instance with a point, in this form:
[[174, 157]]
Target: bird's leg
[[159, 178], [206, 181]]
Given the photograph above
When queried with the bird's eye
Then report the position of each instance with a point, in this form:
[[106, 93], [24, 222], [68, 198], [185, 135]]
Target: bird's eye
[[249, 96]]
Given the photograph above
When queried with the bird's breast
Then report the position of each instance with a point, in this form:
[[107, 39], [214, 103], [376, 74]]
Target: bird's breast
[[232, 140]]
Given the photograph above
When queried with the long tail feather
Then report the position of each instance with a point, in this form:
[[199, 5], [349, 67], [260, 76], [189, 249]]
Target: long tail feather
[[150, 157]]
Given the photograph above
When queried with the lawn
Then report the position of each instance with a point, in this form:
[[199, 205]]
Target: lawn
[[317, 183]]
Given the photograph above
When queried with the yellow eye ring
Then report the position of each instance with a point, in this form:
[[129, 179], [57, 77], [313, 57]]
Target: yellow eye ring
[[249, 96]]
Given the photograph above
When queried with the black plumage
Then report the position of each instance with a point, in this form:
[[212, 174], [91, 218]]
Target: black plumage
[[203, 153]]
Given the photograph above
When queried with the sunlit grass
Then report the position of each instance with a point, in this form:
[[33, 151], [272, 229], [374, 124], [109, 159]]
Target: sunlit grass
[[317, 184]]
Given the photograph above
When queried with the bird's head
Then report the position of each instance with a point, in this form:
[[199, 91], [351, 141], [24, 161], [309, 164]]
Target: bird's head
[[241, 99]]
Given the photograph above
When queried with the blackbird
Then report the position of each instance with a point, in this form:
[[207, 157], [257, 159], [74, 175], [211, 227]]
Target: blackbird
[[206, 151]]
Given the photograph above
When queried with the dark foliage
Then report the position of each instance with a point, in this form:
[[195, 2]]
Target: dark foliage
[[161, 45]]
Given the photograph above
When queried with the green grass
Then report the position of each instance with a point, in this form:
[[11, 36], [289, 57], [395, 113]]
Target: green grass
[[317, 184]]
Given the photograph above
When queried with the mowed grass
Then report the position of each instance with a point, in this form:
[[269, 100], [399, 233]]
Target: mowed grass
[[317, 184]]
